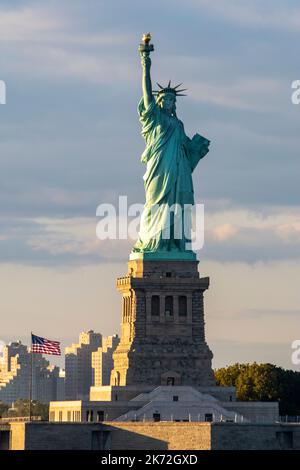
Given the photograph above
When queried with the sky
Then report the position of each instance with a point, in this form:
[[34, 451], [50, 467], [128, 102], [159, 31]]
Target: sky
[[70, 140]]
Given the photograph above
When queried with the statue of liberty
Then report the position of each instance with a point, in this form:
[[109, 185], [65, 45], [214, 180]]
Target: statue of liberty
[[170, 157]]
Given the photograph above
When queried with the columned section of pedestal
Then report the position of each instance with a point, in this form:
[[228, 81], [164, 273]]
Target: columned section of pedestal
[[162, 330]]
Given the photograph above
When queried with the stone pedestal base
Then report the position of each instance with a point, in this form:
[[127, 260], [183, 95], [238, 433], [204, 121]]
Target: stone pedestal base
[[162, 337]]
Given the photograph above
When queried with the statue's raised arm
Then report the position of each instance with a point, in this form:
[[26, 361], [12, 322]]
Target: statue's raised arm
[[145, 49]]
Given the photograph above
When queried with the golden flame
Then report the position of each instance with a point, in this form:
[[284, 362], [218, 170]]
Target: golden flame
[[146, 38]]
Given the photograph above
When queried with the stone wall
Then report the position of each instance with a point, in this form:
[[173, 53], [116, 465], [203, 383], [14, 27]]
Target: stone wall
[[153, 436], [164, 435], [255, 411], [255, 436]]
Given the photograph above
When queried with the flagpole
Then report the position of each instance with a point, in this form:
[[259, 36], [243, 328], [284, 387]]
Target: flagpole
[[30, 380]]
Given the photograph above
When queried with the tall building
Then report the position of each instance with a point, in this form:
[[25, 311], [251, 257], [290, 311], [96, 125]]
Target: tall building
[[61, 385], [78, 365], [102, 360], [15, 375]]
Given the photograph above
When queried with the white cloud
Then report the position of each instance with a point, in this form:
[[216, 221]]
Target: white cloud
[[250, 236], [43, 24], [57, 61], [77, 236], [273, 14], [276, 219], [241, 227], [42, 42], [233, 235], [289, 232], [224, 232], [29, 24], [246, 94]]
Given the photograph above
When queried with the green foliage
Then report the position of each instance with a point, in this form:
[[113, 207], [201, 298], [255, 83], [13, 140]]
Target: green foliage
[[263, 382], [3, 409], [21, 408]]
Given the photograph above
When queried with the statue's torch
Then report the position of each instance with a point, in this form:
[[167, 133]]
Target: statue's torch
[[145, 46]]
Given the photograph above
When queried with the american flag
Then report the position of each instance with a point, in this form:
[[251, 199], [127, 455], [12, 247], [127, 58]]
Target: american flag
[[44, 346]]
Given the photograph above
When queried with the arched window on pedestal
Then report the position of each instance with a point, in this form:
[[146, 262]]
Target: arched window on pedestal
[[182, 306], [155, 305], [169, 306]]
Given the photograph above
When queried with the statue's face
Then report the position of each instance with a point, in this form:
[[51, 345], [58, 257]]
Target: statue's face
[[168, 101]]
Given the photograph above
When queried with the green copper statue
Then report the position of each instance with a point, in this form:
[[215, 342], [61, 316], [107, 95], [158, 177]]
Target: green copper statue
[[171, 157]]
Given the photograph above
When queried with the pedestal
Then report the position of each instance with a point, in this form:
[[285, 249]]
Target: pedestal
[[162, 331]]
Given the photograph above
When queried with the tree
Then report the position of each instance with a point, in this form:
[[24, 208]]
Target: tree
[[263, 382], [21, 408], [3, 409]]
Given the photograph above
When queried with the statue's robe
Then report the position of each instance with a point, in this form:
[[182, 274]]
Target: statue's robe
[[170, 157]]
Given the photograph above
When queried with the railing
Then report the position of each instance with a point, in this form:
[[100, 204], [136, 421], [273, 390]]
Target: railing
[[16, 419], [123, 280], [289, 419], [210, 418]]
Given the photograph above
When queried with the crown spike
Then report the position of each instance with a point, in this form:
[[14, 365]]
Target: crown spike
[[169, 89]]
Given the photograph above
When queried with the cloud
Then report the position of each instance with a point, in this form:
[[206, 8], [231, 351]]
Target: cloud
[[44, 24], [275, 14], [58, 62], [224, 232], [80, 83], [52, 241], [244, 94], [251, 236], [44, 42], [236, 235], [29, 24], [290, 232]]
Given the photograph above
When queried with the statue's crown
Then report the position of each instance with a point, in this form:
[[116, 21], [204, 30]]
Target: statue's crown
[[169, 89]]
